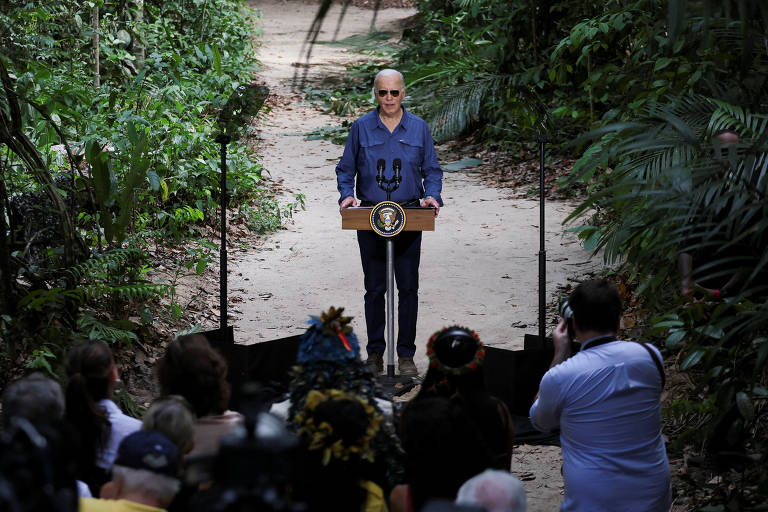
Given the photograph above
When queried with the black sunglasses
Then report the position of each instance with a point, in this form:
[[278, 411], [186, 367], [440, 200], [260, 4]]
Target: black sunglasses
[[394, 92]]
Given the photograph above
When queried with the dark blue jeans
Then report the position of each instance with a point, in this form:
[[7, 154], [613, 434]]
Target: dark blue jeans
[[373, 254]]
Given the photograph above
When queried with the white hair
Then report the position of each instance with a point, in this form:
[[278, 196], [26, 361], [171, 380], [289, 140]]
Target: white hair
[[172, 416], [35, 397], [161, 488], [387, 72], [497, 491]]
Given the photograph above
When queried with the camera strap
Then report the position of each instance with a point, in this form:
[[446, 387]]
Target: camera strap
[[656, 361]]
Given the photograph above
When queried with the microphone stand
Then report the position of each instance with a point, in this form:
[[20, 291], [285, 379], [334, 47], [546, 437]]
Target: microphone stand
[[542, 139], [223, 140], [389, 186]]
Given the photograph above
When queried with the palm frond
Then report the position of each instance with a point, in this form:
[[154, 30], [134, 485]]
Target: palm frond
[[94, 329], [462, 109], [672, 189], [465, 103]]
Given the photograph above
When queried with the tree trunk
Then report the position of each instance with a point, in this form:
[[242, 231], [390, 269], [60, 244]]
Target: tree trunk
[[533, 31], [7, 305], [121, 6], [96, 55], [139, 51], [12, 134]]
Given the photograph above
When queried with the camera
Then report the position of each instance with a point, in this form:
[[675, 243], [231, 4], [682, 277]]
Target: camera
[[567, 314]]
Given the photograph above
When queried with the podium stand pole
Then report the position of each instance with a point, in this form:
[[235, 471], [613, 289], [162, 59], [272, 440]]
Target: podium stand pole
[[362, 219], [390, 307]]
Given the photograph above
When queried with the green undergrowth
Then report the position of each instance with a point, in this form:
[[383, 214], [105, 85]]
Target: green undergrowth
[[119, 154]]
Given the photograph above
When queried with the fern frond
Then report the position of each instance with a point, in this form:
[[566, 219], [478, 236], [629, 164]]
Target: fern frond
[[465, 4], [114, 260], [94, 329], [130, 292], [730, 117]]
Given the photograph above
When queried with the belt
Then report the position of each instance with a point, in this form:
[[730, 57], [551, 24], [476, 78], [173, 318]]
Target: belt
[[405, 204]]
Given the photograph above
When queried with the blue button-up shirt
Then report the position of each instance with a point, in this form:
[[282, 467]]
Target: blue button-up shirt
[[605, 400], [369, 140]]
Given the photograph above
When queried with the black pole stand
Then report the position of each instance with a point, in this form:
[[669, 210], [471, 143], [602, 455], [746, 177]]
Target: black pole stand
[[236, 114], [542, 139], [531, 341], [223, 140]]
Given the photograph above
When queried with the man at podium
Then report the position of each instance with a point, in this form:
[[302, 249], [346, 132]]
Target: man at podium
[[379, 138]]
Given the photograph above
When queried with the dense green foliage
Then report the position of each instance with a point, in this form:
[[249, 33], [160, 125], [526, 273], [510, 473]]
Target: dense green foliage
[[675, 188], [654, 82], [109, 114], [514, 67], [663, 184]]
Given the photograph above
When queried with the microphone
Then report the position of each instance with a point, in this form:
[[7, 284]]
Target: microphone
[[397, 165], [380, 166]]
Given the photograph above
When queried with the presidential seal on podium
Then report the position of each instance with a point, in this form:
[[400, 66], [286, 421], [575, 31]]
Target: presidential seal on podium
[[387, 218]]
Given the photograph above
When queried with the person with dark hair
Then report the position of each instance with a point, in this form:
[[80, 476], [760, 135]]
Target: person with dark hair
[[456, 357], [443, 450], [336, 430], [193, 369], [99, 421], [605, 400]]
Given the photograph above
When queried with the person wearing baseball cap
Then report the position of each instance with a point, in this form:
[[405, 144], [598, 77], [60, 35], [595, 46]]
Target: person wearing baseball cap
[[144, 477]]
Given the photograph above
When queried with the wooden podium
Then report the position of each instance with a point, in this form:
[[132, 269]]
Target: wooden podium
[[416, 219]]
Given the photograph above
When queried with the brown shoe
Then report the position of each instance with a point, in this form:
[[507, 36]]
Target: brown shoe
[[407, 366], [376, 362]]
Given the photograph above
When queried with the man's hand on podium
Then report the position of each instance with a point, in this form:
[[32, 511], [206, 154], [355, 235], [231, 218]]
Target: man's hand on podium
[[431, 201], [347, 202]]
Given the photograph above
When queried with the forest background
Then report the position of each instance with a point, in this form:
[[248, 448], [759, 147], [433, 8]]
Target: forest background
[[108, 114]]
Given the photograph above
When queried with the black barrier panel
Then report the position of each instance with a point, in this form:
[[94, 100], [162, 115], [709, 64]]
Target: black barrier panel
[[513, 376], [267, 363]]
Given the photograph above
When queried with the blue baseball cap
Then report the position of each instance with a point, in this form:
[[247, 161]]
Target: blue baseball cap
[[149, 450]]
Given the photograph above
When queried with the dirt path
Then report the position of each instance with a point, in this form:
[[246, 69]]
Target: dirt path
[[479, 268]]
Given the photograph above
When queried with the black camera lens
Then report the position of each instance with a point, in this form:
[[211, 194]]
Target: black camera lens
[[565, 309]]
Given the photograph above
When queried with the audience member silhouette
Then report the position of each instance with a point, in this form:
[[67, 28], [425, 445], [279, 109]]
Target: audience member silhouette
[[89, 408], [456, 357], [38, 449], [172, 416], [443, 449], [494, 490], [193, 369], [144, 476], [336, 430], [329, 358]]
